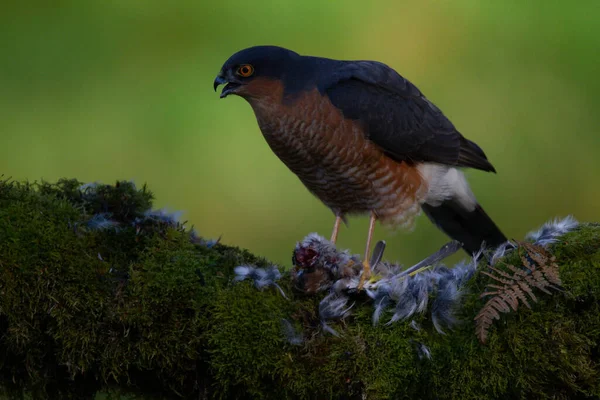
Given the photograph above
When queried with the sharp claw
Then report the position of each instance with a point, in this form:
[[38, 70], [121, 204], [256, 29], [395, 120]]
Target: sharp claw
[[366, 274]]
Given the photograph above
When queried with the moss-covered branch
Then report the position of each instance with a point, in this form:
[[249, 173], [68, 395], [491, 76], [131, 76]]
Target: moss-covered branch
[[99, 293]]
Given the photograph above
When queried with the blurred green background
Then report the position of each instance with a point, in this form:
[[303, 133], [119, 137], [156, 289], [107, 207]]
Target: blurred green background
[[107, 90]]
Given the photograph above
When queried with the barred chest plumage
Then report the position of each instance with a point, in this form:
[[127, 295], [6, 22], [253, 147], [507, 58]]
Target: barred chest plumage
[[334, 160]]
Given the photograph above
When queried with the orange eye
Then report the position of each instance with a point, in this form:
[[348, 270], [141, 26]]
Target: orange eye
[[245, 70]]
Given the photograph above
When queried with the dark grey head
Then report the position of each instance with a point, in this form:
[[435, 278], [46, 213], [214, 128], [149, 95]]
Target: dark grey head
[[245, 66]]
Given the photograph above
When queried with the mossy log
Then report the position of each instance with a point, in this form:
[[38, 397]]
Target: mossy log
[[100, 294]]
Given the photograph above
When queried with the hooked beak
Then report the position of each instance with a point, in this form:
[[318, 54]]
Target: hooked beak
[[228, 89]]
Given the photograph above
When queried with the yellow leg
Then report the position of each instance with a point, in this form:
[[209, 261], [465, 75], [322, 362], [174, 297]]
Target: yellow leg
[[366, 267], [336, 228]]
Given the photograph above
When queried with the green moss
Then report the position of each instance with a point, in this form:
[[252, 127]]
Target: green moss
[[550, 351], [119, 305], [140, 306]]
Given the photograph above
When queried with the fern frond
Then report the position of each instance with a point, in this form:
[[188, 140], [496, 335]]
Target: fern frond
[[491, 285], [498, 278], [527, 289], [515, 270], [484, 321], [500, 272], [538, 270], [553, 277], [499, 304], [510, 298], [540, 281]]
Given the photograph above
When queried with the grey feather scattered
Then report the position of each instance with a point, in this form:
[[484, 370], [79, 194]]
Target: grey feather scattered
[[406, 304], [86, 187], [333, 306], [501, 251], [261, 277], [396, 289], [415, 325], [442, 311], [197, 239], [552, 230], [423, 351], [381, 299], [420, 291], [162, 215], [102, 222], [380, 306], [544, 236], [329, 329], [291, 335], [411, 294]]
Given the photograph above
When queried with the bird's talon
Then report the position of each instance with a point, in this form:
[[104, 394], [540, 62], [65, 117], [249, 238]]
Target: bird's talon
[[366, 274]]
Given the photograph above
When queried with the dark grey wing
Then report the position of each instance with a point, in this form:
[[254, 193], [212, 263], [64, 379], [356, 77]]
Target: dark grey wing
[[397, 117]]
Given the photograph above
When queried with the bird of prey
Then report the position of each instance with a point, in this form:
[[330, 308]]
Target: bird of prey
[[364, 140]]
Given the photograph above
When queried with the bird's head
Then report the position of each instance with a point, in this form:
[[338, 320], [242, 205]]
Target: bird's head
[[245, 72]]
